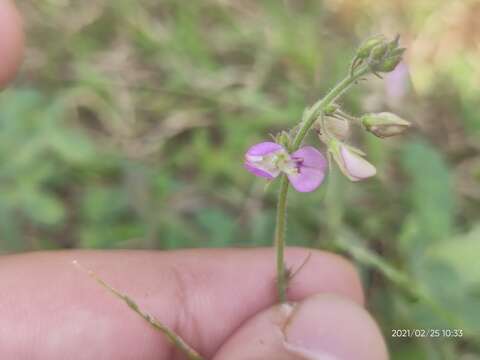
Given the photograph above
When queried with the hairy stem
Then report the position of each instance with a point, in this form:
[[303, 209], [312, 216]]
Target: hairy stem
[[282, 281], [320, 105], [305, 126]]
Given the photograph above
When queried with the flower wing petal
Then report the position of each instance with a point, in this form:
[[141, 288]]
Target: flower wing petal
[[254, 156], [263, 148]]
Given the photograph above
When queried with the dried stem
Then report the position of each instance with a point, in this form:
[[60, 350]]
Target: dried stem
[[174, 338]]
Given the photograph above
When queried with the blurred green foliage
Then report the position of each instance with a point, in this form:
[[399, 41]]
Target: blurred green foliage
[[128, 124]]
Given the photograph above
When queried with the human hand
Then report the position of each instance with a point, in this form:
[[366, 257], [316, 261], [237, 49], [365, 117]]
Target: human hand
[[11, 41], [222, 302]]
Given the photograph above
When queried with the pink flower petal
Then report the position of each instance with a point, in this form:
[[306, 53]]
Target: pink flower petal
[[258, 172], [312, 167], [263, 148], [257, 162], [397, 82], [311, 157], [357, 168]]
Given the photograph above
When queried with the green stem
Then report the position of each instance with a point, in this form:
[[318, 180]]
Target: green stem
[[342, 114], [282, 281], [318, 107]]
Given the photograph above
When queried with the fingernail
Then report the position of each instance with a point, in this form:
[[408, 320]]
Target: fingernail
[[329, 327]]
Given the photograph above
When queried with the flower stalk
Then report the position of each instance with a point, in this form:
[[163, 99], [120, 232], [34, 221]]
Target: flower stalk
[[282, 276], [304, 166], [310, 116], [313, 113]]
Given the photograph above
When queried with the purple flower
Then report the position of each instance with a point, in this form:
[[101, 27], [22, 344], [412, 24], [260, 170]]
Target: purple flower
[[305, 167]]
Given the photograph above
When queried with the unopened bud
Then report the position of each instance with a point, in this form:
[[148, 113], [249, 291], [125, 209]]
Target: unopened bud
[[378, 52], [391, 62], [284, 139], [392, 45], [388, 65], [330, 109], [366, 47], [384, 124], [386, 56], [339, 128]]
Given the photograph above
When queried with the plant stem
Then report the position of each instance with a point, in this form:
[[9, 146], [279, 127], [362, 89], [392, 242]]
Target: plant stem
[[282, 281], [318, 107], [334, 94], [346, 116]]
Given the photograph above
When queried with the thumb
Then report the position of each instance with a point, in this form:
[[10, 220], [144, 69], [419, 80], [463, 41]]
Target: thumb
[[322, 327]]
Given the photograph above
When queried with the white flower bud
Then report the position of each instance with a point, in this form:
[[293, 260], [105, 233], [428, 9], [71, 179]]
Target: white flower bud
[[384, 124]]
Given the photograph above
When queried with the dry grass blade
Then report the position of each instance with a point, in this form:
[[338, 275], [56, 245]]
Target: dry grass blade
[[174, 338]]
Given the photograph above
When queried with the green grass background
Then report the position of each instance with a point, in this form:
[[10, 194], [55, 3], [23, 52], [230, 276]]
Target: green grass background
[[127, 126]]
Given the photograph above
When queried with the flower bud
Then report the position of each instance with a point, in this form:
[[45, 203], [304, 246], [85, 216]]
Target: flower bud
[[392, 45], [366, 47], [340, 128], [384, 124], [330, 109], [284, 139], [390, 63], [385, 56], [350, 161], [378, 52]]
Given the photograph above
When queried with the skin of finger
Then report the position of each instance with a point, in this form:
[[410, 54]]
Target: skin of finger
[[321, 327], [11, 41], [53, 309]]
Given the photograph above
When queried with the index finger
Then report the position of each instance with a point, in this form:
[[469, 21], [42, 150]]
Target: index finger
[[11, 41], [52, 310]]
